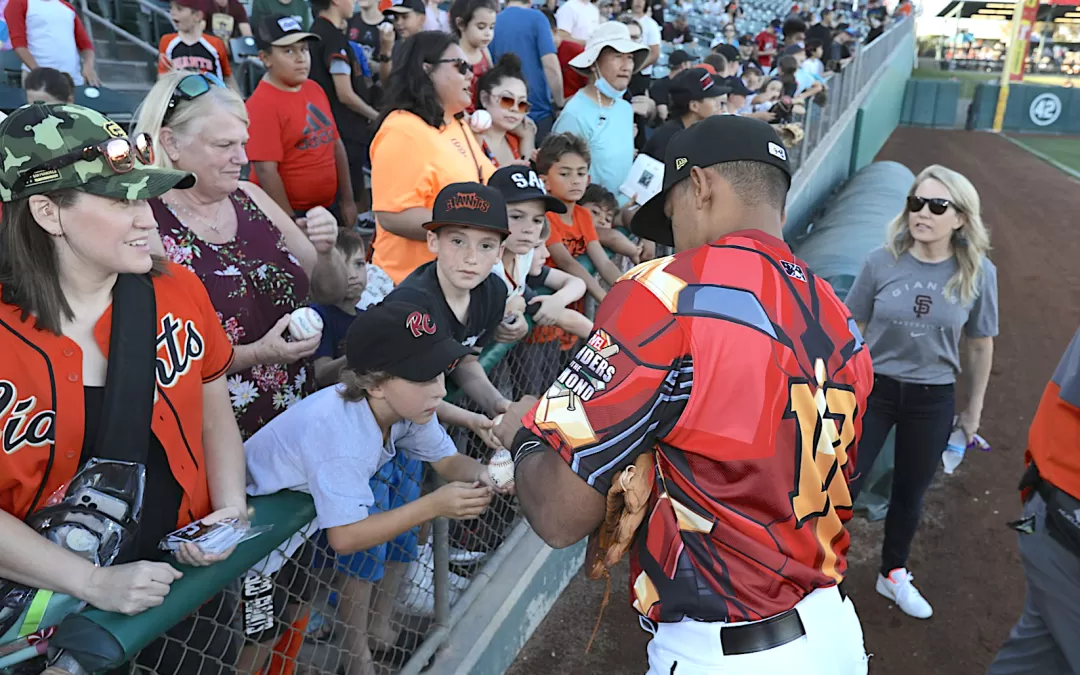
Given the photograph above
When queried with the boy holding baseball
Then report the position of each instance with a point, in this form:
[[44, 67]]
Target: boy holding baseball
[[333, 442]]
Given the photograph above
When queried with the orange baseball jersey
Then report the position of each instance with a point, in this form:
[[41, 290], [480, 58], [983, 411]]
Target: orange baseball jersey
[[1055, 431], [41, 396]]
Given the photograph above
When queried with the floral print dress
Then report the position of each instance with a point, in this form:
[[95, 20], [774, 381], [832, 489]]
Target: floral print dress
[[252, 280]]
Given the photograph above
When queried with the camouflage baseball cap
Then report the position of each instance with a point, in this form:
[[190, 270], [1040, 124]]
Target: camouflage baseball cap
[[39, 132]]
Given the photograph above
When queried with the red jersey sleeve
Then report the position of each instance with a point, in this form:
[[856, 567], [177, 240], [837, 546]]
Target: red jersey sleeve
[[622, 391], [164, 62], [82, 38], [218, 351], [15, 15], [264, 127]]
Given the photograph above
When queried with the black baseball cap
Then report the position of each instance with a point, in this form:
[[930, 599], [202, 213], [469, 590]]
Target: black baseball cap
[[736, 86], [746, 40], [280, 31], [793, 49], [679, 57], [403, 6], [714, 140], [729, 52], [695, 84], [519, 183], [469, 205], [401, 339]]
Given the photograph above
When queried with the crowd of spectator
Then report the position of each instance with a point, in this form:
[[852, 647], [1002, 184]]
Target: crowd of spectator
[[408, 170]]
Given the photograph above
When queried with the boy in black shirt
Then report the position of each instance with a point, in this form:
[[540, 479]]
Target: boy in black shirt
[[467, 230], [335, 67]]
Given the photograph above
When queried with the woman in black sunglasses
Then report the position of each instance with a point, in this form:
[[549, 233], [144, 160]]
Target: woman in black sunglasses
[[422, 145], [502, 92], [914, 299]]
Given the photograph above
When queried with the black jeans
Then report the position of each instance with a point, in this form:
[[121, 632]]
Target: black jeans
[[923, 416]]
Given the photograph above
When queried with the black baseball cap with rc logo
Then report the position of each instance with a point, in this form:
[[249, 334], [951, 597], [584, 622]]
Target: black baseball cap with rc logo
[[714, 140], [469, 205], [403, 340]]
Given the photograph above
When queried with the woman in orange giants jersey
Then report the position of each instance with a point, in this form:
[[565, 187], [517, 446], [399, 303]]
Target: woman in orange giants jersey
[[75, 229]]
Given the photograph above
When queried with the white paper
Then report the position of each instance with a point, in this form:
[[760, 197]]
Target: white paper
[[646, 179]]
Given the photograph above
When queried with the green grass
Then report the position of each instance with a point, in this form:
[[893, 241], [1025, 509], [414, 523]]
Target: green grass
[[1062, 149], [967, 78]]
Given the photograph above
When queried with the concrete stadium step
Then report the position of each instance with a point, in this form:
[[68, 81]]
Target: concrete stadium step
[[130, 76]]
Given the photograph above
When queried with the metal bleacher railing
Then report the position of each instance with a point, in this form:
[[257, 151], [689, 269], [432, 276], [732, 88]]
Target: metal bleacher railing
[[393, 608]]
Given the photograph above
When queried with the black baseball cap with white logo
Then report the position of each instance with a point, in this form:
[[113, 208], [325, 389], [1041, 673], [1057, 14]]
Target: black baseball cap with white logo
[[521, 184], [403, 6], [403, 340], [714, 140], [280, 31], [695, 84], [469, 205]]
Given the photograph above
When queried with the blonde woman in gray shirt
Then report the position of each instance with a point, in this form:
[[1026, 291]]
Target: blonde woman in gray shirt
[[914, 299]]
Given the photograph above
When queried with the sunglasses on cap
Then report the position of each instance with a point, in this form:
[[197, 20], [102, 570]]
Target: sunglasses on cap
[[462, 65], [190, 88], [937, 206], [120, 154], [511, 104]]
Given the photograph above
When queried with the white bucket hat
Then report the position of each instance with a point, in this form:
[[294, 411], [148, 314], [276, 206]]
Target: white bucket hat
[[610, 34]]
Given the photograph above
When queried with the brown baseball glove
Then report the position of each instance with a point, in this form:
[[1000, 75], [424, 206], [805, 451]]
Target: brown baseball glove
[[791, 133], [627, 502]]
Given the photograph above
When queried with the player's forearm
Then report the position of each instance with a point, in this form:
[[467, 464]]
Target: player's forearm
[[537, 477], [379, 528]]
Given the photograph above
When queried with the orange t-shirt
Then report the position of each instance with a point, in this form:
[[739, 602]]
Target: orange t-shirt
[[295, 129], [410, 162], [575, 236], [207, 55], [41, 396]]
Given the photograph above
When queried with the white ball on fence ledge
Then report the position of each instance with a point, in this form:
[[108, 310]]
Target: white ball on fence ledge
[[305, 323], [501, 469]]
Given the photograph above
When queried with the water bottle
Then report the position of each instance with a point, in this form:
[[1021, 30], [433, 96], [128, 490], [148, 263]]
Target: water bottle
[[954, 450]]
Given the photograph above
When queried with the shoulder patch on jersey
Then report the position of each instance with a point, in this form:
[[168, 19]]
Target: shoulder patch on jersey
[[665, 286], [793, 270]]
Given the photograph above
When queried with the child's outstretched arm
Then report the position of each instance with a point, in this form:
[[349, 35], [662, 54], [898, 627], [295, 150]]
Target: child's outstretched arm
[[461, 501], [616, 241], [480, 425], [607, 269], [565, 262], [470, 376], [576, 323]]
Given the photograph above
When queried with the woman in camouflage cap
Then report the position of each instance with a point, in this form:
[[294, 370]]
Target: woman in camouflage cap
[[75, 190]]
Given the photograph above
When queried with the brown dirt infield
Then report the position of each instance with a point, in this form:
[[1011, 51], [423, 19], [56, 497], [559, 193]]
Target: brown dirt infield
[[964, 559]]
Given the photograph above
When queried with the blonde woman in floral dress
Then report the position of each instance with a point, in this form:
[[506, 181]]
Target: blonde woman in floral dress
[[257, 264]]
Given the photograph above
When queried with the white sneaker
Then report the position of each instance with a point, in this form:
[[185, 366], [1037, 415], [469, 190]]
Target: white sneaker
[[898, 588]]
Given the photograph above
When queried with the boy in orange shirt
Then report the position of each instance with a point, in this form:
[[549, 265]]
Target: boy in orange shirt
[[295, 148], [563, 162], [189, 48]]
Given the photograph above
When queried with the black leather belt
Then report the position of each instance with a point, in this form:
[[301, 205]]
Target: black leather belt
[[771, 633]]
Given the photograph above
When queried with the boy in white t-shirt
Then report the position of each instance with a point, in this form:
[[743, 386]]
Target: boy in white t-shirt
[[331, 444]]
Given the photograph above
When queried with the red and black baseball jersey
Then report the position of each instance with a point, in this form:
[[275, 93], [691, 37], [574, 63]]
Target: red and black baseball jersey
[[747, 377]]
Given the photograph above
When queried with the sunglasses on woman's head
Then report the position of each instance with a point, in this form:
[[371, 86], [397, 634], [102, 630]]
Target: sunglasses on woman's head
[[119, 154], [511, 104], [462, 65], [190, 88], [937, 206]]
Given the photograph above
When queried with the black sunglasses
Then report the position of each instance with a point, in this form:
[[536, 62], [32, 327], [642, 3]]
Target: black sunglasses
[[462, 65], [937, 206], [119, 154], [190, 88]]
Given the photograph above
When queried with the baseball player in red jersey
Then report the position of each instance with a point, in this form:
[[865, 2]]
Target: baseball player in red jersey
[[746, 377]]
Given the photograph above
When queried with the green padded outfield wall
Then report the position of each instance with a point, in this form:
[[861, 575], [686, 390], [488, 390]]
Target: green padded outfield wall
[[1032, 109], [879, 114], [930, 103]]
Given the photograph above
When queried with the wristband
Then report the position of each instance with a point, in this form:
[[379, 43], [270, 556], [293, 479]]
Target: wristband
[[526, 443]]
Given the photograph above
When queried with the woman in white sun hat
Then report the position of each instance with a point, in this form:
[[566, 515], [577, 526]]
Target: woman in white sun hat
[[598, 112]]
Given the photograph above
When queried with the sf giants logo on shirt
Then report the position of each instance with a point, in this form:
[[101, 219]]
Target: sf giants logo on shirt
[[419, 324], [177, 349], [24, 427], [825, 420], [922, 306]]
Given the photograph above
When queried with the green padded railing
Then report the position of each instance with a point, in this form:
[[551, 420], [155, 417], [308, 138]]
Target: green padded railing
[[287, 512]]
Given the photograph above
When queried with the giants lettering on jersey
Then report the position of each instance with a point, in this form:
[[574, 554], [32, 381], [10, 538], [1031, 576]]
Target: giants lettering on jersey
[[22, 426], [199, 64], [181, 349]]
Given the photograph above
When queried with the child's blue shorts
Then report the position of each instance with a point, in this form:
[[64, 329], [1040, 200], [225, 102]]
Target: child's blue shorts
[[396, 484]]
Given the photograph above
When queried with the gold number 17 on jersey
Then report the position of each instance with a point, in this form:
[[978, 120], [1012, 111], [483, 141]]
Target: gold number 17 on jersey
[[824, 417]]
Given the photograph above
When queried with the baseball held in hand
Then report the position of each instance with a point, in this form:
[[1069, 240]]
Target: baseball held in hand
[[501, 469], [480, 121], [305, 323]]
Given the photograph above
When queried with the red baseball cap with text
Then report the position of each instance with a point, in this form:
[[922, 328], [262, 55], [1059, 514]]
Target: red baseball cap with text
[[403, 340]]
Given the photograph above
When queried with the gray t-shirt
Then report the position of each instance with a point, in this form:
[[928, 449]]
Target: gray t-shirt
[[330, 448], [912, 329]]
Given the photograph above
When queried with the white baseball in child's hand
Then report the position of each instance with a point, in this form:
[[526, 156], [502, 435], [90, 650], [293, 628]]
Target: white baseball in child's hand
[[501, 469], [305, 323], [480, 121]]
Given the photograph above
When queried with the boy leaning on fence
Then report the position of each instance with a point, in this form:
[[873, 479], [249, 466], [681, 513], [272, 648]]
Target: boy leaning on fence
[[333, 442]]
